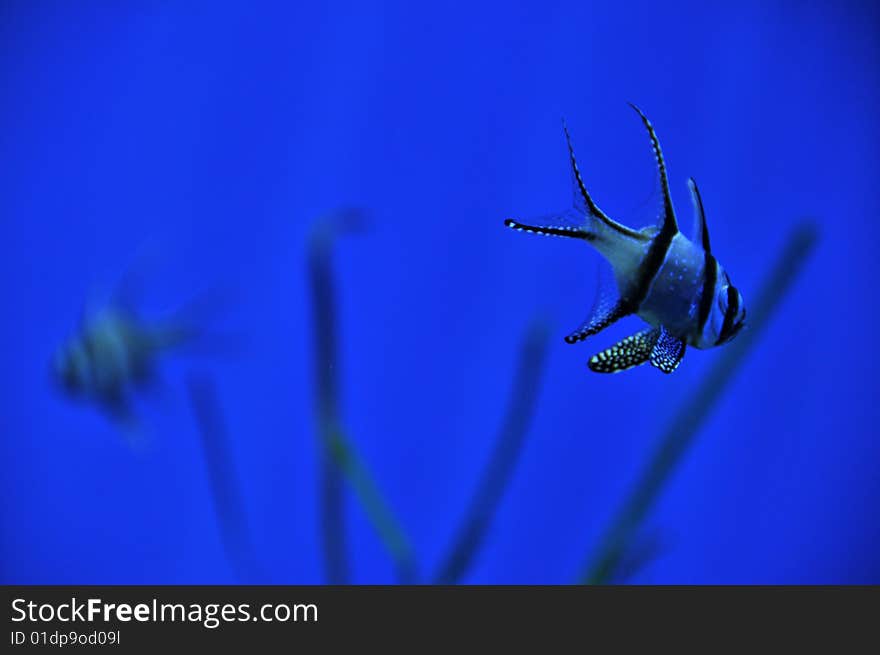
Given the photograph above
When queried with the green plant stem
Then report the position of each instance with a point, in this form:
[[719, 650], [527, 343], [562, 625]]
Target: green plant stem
[[378, 512], [338, 457]]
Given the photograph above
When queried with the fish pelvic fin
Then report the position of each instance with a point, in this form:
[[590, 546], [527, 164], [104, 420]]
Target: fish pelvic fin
[[627, 353], [654, 345], [668, 351]]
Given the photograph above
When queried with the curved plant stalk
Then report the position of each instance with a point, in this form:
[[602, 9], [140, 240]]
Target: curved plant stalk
[[338, 458], [358, 476], [685, 425], [224, 486], [504, 456]]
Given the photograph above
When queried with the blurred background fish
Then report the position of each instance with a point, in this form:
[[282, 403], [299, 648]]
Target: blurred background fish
[[115, 354]]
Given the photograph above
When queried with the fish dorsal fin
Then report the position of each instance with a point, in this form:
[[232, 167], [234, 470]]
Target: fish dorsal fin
[[667, 352], [701, 230], [607, 309], [668, 223], [633, 351]]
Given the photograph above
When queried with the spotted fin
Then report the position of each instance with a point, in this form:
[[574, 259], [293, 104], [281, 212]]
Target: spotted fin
[[570, 224], [668, 223], [607, 309], [633, 351], [668, 351], [654, 344]]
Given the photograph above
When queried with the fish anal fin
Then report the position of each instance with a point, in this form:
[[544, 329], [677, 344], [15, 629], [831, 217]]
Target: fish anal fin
[[628, 353], [607, 309], [668, 351], [598, 321]]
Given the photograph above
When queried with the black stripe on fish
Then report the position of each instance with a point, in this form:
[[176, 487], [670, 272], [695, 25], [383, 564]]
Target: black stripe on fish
[[729, 315], [649, 268], [660, 245], [707, 293], [550, 230]]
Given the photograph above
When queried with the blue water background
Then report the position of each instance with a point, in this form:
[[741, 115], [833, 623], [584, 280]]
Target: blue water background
[[216, 133]]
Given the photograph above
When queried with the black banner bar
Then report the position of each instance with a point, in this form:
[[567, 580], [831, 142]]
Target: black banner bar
[[138, 618]]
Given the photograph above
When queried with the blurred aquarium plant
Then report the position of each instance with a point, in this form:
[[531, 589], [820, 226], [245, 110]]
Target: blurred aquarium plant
[[226, 492], [508, 444], [338, 457], [340, 460]]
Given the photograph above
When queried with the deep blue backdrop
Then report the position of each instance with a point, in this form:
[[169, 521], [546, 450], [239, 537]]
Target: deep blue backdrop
[[216, 134]]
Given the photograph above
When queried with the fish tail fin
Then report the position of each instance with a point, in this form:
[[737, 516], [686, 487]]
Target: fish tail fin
[[598, 220], [187, 327]]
